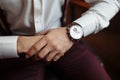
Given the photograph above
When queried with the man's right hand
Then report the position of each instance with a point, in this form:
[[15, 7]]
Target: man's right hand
[[24, 43]]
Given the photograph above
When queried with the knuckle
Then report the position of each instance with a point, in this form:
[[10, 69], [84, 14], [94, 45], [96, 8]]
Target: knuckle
[[57, 48], [36, 48]]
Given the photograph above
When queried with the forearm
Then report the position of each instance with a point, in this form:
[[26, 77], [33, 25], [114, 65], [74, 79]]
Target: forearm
[[98, 16]]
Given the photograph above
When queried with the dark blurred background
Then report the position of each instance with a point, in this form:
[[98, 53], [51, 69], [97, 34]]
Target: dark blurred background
[[105, 43]]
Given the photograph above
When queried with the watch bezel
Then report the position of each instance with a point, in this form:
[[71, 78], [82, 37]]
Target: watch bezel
[[69, 28], [75, 32]]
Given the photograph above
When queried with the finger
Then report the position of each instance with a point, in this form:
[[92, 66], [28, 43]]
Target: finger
[[51, 55], [36, 48], [45, 51], [57, 57]]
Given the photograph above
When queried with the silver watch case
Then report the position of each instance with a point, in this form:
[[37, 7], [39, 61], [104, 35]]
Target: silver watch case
[[75, 32]]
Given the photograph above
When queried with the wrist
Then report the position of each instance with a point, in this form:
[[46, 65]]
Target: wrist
[[20, 48], [74, 32]]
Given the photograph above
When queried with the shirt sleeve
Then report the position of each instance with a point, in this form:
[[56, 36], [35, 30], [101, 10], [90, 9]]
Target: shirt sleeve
[[98, 15], [8, 47]]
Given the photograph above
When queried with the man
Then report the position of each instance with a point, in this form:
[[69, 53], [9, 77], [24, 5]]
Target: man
[[36, 33]]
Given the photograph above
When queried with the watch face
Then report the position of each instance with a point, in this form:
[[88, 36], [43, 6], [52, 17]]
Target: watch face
[[76, 32]]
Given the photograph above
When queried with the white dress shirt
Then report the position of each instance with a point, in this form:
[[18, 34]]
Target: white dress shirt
[[29, 17]]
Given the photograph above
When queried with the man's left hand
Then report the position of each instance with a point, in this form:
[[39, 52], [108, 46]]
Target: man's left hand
[[52, 46]]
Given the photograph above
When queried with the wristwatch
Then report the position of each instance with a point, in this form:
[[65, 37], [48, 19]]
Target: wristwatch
[[74, 31]]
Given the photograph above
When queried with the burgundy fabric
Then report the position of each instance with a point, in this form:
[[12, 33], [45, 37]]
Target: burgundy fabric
[[78, 63], [17, 69]]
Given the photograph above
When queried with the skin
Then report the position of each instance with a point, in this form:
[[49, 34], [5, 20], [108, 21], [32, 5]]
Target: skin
[[51, 44]]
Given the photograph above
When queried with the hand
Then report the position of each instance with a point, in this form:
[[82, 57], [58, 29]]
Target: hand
[[52, 46], [24, 43]]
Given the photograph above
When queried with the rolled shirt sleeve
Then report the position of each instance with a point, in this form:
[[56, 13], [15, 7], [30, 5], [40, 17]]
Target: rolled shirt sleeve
[[8, 47], [98, 16]]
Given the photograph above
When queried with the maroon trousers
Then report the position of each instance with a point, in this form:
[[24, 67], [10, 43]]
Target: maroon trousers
[[78, 63]]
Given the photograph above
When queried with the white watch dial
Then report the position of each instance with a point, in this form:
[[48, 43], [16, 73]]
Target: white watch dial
[[76, 32]]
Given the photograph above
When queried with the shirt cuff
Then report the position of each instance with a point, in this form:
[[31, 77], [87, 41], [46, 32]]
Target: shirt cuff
[[88, 23], [8, 47]]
